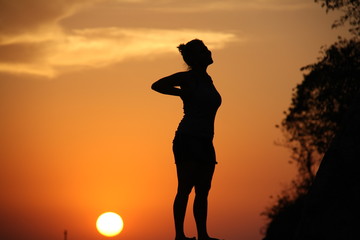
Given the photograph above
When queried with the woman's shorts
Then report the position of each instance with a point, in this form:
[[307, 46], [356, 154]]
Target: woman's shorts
[[193, 148]]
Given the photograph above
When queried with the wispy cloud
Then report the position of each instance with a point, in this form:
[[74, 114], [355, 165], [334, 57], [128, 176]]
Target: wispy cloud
[[229, 5], [32, 40], [103, 46], [26, 17], [98, 47]]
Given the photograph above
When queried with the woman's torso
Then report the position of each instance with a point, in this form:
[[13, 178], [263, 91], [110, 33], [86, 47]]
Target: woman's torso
[[201, 101]]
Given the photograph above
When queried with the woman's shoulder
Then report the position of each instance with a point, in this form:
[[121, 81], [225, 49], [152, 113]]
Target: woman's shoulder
[[183, 77], [184, 74]]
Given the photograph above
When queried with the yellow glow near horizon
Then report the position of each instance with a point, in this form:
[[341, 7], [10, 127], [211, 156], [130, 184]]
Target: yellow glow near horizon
[[109, 224]]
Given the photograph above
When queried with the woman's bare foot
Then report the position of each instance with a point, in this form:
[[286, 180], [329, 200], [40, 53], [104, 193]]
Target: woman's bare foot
[[209, 238], [185, 238]]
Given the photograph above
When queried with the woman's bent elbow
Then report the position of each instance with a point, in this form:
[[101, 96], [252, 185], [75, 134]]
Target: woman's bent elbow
[[154, 87]]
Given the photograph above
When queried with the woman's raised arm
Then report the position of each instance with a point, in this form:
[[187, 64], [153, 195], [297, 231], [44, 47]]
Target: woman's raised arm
[[169, 85]]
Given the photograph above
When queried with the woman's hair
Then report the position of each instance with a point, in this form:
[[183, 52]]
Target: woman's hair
[[189, 51]]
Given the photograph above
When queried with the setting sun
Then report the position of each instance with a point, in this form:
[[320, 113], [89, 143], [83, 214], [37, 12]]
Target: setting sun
[[109, 224]]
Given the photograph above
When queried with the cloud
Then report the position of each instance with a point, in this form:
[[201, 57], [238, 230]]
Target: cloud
[[186, 6], [106, 45], [103, 46], [99, 47], [32, 40], [24, 17]]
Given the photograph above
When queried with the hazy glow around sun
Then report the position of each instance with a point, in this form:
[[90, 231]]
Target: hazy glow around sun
[[109, 224]]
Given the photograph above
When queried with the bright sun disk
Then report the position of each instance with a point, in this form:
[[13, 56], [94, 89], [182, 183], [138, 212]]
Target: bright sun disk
[[109, 224]]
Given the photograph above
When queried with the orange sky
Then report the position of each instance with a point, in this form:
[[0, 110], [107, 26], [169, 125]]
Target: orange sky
[[81, 132]]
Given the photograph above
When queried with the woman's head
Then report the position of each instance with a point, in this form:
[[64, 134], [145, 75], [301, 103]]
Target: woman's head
[[195, 54]]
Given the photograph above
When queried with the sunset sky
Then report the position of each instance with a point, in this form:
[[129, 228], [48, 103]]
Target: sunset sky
[[82, 133]]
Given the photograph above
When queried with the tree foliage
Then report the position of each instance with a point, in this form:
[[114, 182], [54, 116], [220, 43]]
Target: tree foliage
[[319, 103], [318, 106], [351, 13]]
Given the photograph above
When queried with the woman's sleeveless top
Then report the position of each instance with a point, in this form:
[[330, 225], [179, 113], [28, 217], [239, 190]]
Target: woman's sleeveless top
[[201, 101]]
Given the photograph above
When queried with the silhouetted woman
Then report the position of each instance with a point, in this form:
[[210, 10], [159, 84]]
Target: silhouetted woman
[[192, 146]]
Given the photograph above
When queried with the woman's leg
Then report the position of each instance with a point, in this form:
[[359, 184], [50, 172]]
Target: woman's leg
[[185, 184], [202, 187]]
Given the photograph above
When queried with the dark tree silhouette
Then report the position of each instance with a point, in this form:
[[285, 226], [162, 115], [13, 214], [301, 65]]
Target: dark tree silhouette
[[318, 107], [319, 104], [351, 13], [316, 114], [331, 208]]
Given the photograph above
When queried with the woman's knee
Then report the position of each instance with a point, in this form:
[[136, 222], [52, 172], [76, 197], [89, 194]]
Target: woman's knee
[[202, 190], [184, 190]]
